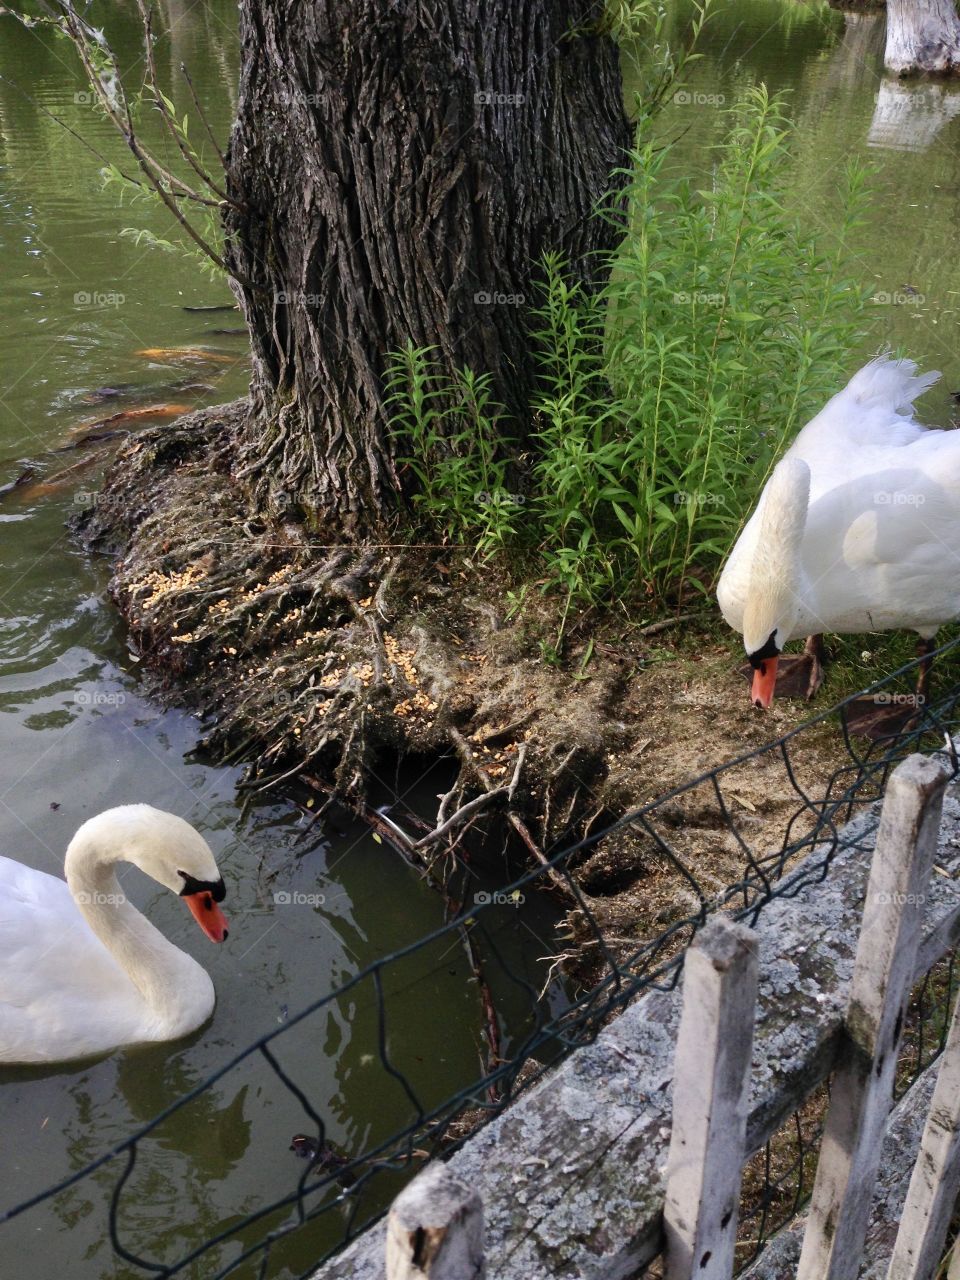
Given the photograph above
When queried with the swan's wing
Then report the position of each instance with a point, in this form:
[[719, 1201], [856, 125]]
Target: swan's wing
[[883, 550], [62, 994], [874, 410]]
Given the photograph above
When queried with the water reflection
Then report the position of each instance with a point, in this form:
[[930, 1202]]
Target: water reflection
[[909, 115]]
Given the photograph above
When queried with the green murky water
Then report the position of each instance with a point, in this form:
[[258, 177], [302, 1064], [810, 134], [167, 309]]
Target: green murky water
[[78, 301], [77, 735], [829, 66]]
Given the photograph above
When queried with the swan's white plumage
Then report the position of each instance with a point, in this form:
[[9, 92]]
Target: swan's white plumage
[[63, 994], [882, 532], [54, 973]]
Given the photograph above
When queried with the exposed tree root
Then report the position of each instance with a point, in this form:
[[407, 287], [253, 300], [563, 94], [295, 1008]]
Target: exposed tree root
[[311, 657], [314, 659]]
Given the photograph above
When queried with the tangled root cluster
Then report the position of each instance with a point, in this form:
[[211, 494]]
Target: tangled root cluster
[[312, 658], [316, 659]]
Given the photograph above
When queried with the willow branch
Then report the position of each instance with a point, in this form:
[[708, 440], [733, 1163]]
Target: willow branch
[[146, 17]]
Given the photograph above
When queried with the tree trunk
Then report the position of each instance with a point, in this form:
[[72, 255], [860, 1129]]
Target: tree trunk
[[401, 168], [922, 35]]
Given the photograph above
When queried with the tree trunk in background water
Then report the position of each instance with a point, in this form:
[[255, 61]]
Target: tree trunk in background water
[[395, 162], [922, 35]]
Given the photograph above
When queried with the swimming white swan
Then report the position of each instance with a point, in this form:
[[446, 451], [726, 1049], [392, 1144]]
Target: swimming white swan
[[857, 529], [81, 970]]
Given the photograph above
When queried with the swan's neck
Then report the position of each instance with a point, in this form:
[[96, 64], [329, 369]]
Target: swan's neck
[[175, 989], [776, 577]]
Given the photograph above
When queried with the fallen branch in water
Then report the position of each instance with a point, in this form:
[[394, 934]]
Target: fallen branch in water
[[469, 760], [462, 814]]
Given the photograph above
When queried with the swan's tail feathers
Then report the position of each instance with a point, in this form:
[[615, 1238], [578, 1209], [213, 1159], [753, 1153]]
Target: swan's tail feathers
[[888, 383]]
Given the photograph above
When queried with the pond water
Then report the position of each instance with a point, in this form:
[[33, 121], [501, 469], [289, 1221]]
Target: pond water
[[828, 66], [78, 734]]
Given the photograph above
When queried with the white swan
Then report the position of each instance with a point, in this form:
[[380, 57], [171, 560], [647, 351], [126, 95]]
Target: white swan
[[858, 528], [81, 970]]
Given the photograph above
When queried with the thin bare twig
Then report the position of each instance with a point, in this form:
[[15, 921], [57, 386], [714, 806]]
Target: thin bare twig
[[203, 115], [465, 811]]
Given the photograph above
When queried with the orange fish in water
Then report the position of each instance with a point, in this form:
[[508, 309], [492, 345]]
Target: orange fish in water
[[149, 413], [197, 354], [56, 483]]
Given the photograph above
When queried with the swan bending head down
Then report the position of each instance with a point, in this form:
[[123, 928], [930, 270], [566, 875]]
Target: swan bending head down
[[773, 605], [82, 971], [163, 846]]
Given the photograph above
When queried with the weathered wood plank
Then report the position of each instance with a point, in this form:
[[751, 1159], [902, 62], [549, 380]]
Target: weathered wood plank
[[936, 1175], [571, 1177], [710, 1091], [900, 1145], [435, 1229], [862, 1091]]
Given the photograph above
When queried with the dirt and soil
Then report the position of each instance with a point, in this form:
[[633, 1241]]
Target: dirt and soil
[[311, 658]]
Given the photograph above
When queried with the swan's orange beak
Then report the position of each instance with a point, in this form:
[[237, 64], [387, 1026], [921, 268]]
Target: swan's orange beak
[[764, 683], [207, 915]]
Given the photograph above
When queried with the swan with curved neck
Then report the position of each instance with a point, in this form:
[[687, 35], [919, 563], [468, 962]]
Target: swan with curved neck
[[82, 971], [854, 532], [773, 610]]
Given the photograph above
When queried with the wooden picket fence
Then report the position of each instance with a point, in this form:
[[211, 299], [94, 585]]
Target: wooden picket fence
[[435, 1226]]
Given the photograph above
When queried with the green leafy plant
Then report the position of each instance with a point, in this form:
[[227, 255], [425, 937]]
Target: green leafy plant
[[665, 400], [450, 439], [725, 329]]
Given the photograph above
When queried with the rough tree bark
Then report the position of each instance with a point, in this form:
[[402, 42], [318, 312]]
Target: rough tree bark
[[401, 169], [922, 36]]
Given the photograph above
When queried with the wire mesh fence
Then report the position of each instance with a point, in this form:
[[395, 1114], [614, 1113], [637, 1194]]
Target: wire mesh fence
[[779, 1179], [705, 845]]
